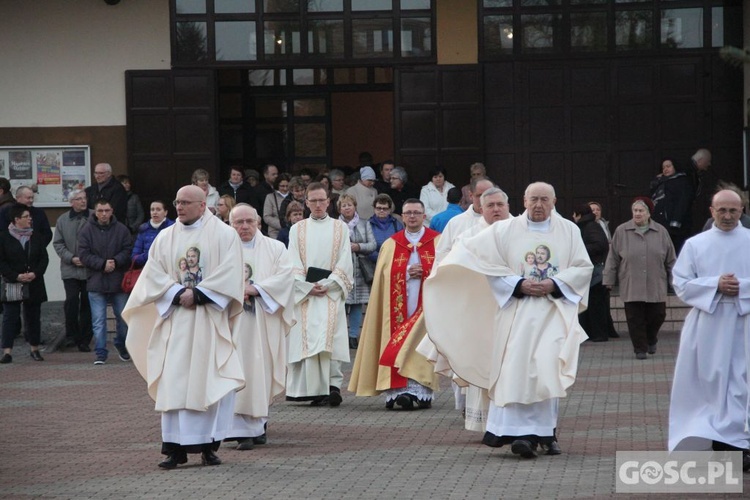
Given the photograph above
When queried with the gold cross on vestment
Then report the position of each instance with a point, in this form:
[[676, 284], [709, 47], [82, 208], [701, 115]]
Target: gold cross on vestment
[[429, 258], [400, 261]]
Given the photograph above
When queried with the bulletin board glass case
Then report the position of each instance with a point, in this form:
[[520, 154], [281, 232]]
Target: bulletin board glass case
[[52, 171]]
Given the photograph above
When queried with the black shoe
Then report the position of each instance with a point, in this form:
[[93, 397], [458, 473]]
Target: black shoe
[[245, 444], [320, 401], [123, 353], [389, 404], [173, 461], [523, 448], [641, 355], [36, 356], [424, 404], [210, 458], [405, 401], [598, 339], [491, 440], [745, 460], [84, 348], [335, 399], [652, 349], [262, 439], [7, 358], [353, 343], [551, 448]]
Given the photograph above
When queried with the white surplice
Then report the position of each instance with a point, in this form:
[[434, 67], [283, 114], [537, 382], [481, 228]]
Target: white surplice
[[523, 350], [709, 399], [318, 342], [186, 355], [260, 332]]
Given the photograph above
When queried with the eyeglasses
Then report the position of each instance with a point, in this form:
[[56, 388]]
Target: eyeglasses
[[382, 209], [412, 214], [178, 203], [240, 222], [317, 202]]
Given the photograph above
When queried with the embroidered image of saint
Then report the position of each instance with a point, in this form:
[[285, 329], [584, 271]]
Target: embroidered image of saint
[[190, 272], [539, 264]]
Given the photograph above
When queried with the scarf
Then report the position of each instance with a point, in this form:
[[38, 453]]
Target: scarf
[[157, 226], [22, 235], [352, 223]]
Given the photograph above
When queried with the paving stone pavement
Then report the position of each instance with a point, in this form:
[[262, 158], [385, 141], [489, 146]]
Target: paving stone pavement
[[75, 430]]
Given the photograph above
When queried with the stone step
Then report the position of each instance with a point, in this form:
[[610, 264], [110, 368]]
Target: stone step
[[676, 312]]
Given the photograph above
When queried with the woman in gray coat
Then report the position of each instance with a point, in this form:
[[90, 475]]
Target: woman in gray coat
[[640, 260], [363, 244]]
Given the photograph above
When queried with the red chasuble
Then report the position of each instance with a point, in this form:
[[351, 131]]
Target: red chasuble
[[401, 325]]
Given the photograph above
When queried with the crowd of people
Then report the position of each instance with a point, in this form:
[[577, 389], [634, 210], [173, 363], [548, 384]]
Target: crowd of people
[[329, 269]]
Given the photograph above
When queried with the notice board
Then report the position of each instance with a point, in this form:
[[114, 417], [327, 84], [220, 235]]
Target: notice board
[[52, 171]]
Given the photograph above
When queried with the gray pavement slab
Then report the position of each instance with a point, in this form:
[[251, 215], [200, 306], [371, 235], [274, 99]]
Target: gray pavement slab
[[75, 430]]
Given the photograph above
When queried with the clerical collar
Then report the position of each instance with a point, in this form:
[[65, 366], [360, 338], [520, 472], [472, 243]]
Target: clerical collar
[[251, 243], [414, 237], [195, 225], [539, 227], [319, 218]]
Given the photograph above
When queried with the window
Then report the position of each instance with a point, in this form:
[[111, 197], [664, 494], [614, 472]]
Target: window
[[298, 32]]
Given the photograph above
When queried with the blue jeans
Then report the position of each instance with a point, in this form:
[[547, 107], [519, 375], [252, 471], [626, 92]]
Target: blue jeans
[[98, 303], [355, 319]]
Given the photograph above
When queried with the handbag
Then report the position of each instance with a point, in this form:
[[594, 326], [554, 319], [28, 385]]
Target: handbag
[[130, 278], [13, 292], [367, 268], [597, 275]]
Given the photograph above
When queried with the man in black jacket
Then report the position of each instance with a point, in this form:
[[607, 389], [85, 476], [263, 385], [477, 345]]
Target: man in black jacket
[[39, 221], [104, 247], [107, 187]]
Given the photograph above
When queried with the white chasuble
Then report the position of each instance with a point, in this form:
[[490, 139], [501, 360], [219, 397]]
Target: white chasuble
[[525, 350], [710, 398], [260, 331], [186, 355]]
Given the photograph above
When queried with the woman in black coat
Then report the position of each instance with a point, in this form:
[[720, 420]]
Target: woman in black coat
[[672, 194], [595, 319], [23, 259]]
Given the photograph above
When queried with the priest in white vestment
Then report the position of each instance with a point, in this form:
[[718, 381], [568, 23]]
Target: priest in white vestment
[[260, 331], [180, 337], [448, 237], [514, 333], [323, 275], [710, 399]]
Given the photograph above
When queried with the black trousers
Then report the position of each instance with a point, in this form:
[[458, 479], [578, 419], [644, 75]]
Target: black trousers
[[32, 312], [595, 319], [644, 320], [77, 312]]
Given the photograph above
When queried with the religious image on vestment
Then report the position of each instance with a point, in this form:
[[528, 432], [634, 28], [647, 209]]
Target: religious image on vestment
[[539, 264], [190, 272], [249, 304]]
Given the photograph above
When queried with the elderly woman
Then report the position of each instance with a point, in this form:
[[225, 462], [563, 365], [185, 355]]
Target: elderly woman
[[149, 230], [272, 215], [384, 225], [200, 178], [434, 194], [225, 205], [672, 194], [363, 244], [640, 260], [23, 259], [594, 320]]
